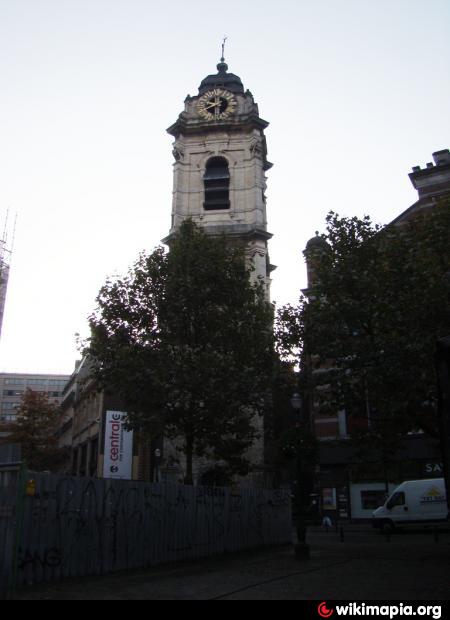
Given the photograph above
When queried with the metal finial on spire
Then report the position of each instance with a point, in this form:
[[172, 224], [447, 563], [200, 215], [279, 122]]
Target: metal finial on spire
[[223, 49]]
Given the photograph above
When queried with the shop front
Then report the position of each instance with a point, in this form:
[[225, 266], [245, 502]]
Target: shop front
[[351, 488]]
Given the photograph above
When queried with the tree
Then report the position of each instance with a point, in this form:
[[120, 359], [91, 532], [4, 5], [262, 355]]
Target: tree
[[36, 429], [370, 322], [186, 339]]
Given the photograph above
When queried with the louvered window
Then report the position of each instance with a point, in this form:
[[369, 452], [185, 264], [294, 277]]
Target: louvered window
[[217, 184]]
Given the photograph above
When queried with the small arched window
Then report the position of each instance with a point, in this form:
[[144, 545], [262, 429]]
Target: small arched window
[[217, 184]]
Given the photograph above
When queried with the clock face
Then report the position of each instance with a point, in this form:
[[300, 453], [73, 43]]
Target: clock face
[[216, 105]]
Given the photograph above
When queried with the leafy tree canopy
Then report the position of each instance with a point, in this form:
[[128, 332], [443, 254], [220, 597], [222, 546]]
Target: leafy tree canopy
[[186, 339], [36, 430], [379, 300]]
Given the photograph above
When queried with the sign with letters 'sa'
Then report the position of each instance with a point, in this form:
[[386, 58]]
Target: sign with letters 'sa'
[[118, 463], [434, 469]]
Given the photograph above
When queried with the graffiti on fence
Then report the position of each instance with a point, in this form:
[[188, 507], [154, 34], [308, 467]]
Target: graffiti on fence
[[49, 558], [79, 527]]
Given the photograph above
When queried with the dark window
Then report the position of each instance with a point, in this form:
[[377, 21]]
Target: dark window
[[41, 382], [8, 418], [14, 381], [370, 500], [75, 462], [8, 406], [82, 469], [93, 458], [398, 499], [217, 184]]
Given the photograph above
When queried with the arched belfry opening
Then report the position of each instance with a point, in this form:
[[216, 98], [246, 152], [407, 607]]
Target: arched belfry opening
[[217, 184]]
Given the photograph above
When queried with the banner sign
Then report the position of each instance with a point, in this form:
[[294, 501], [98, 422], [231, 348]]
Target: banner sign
[[118, 463]]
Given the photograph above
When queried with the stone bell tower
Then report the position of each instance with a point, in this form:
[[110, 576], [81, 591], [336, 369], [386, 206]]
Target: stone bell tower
[[220, 164]]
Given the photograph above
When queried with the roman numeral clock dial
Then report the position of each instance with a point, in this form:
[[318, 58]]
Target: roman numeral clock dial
[[216, 105]]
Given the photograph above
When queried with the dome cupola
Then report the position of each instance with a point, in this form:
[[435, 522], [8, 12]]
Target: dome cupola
[[222, 79]]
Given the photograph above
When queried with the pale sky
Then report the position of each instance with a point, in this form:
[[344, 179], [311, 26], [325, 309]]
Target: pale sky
[[356, 93]]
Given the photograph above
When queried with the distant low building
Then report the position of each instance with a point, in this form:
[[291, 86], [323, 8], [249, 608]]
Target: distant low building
[[13, 387]]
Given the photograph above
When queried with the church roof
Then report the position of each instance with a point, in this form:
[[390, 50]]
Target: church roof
[[222, 79]]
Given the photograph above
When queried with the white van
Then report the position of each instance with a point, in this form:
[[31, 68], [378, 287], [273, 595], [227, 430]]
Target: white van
[[413, 502]]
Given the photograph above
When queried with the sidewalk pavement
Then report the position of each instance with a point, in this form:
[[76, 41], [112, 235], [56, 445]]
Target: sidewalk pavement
[[366, 566]]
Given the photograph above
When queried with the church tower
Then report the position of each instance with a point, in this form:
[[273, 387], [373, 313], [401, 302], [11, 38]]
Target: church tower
[[220, 167]]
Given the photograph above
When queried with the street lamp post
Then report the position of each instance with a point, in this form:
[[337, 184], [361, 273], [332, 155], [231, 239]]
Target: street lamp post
[[296, 402], [301, 548], [157, 455]]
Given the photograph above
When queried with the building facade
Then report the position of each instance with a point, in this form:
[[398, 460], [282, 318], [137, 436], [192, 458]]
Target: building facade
[[14, 385], [84, 430]]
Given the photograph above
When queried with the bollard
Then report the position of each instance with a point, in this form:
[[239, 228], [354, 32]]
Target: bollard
[[342, 534], [301, 548]]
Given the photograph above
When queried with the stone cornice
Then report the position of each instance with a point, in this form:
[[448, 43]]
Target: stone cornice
[[186, 126], [230, 230]]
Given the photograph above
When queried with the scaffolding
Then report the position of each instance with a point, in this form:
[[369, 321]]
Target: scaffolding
[[6, 249]]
